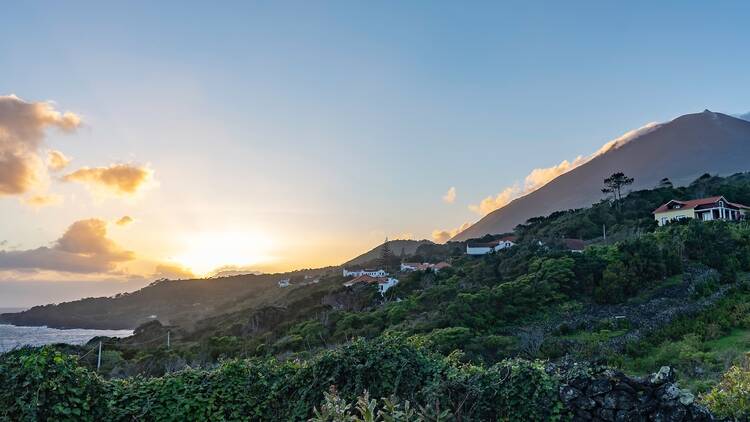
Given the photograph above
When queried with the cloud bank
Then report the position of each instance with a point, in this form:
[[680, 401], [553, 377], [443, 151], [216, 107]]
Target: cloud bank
[[22, 131], [117, 179], [83, 248], [541, 176]]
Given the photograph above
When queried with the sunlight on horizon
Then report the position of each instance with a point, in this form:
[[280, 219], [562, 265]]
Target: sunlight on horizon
[[206, 252]]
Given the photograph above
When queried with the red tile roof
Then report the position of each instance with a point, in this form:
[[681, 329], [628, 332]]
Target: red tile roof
[[694, 203], [574, 244]]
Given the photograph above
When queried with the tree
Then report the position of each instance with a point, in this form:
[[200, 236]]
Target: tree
[[614, 185], [386, 255], [665, 183]]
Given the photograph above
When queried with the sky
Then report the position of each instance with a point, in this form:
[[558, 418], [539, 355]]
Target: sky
[[280, 135]]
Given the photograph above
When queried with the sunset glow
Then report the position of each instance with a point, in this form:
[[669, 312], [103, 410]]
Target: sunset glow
[[206, 252]]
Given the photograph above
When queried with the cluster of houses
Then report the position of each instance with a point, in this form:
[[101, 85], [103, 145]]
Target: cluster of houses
[[483, 248], [306, 280], [704, 209], [415, 266]]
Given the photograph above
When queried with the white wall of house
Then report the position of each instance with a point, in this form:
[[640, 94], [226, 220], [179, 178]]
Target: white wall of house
[[384, 286], [477, 250], [371, 273], [504, 244]]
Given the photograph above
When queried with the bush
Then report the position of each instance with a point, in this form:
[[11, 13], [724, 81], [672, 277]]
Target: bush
[[47, 385], [731, 398]]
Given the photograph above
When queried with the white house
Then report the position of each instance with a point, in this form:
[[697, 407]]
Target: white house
[[384, 283], [370, 272], [483, 248], [284, 282], [704, 209]]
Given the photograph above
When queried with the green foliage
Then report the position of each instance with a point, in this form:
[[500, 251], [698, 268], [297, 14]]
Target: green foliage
[[731, 398], [44, 384]]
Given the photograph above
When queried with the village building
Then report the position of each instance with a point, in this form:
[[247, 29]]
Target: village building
[[383, 283], [483, 248], [574, 245], [415, 266], [704, 209], [370, 272], [284, 282]]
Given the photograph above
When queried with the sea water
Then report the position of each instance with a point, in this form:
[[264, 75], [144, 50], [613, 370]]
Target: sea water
[[12, 337]]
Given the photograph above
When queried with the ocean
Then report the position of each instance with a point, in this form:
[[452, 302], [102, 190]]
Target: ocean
[[12, 336]]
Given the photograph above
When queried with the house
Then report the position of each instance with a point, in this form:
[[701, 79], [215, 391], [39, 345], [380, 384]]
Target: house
[[704, 209], [284, 282], [383, 283], [414, 266], [483, 248], [574, 245], [370, 272]]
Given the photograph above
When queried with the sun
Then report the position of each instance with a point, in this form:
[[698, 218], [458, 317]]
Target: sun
[[205, 252]]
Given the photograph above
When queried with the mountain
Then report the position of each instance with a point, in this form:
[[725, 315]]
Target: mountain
[[409, 247], [680, 150]]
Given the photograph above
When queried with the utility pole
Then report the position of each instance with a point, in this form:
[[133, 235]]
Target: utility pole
[[604, 230], [168, 339], [99, 360]]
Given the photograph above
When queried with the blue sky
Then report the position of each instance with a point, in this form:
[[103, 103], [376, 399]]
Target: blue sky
[[322, 127]]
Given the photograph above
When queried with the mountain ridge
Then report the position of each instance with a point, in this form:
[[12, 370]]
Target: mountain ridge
[[681, 150]]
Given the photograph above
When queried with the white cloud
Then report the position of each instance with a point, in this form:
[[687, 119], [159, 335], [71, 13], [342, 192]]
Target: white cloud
[[22, 131], [450, 196]]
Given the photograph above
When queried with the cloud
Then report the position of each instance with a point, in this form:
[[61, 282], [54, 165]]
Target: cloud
[[56, 160], [39, 201], [442, 236], [118, 179], [22, 131], [124, 220], [172, 271], [83, 248], [450, 196], [541, 176]]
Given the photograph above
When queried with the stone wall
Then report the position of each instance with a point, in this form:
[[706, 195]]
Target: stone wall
[[609, 395]]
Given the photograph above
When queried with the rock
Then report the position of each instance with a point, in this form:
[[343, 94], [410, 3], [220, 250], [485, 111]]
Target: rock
[[664, 375], [671, 392], [569, 393], [619, 400], [584, 403], [686, 398], [623, 386], [607, 414], [599, 386], [582, 415]]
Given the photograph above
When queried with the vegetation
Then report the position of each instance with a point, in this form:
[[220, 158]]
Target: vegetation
[[46, 384], [458, 344]]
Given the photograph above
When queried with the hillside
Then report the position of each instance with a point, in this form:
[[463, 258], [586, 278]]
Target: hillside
[[174, 302], [680, 150], [668, 300], [407, 247]]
